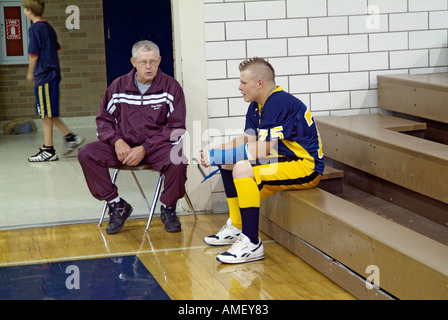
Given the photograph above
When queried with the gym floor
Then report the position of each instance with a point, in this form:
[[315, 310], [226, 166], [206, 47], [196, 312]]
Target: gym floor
[[51, 246]]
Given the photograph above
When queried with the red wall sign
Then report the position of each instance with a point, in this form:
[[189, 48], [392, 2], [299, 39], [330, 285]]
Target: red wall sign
[[13, 31]]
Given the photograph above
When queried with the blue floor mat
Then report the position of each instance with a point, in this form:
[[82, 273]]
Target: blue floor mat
[[118, 278]]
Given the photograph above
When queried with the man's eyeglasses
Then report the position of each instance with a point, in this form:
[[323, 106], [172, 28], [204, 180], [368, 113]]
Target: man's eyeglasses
[[144, 63]]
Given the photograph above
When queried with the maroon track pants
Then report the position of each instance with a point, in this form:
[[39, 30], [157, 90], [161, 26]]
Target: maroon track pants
[[97, 157]]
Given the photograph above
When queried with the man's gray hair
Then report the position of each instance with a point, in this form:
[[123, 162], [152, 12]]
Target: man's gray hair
[[145, 45]]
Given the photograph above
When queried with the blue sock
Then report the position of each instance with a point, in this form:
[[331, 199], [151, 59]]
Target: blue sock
[[250, 218]]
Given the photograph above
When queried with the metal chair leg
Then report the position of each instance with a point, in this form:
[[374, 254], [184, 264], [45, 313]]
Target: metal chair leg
[[154, 201], [151, 207], [187, 198], [114, 178], [140, 189]]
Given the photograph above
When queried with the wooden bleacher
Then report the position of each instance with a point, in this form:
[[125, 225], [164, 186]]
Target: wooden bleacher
[[423, 95], [341, 239], [390, 122], [332, 180], [408, 161]]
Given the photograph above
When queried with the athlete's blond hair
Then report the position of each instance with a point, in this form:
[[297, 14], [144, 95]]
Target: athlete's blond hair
[[261, 69]]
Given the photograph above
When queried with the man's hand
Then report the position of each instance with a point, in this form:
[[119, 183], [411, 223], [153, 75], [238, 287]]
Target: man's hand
[[135, 156], [122, 149]]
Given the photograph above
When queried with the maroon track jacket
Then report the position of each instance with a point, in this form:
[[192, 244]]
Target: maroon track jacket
[[153, 120]]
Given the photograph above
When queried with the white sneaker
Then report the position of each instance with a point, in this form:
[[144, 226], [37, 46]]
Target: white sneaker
[[226, 236], [72, 145], [44, 155], [243, 250]]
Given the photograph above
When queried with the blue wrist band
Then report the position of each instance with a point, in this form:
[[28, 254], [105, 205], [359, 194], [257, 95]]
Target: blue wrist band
[[227, 156]]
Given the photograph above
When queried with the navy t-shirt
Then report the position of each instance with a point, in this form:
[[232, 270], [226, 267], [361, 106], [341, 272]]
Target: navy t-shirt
[[44, 44]]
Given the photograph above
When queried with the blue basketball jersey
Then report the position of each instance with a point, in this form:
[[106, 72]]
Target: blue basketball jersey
[[286, 118], [44, 44]]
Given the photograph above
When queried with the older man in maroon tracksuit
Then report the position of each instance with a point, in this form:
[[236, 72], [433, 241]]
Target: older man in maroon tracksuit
[[141, 119]]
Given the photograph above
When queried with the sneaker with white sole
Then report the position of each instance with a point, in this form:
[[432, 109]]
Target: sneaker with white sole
[[226, 236], [243, 250], [72, 143], [44, 154]]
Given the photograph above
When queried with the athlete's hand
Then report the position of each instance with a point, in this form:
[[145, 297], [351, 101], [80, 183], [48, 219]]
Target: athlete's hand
[[30, 77], [203, 158], [135, 156]]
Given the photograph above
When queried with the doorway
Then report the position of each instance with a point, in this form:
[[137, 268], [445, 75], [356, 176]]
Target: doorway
[[127, 22]]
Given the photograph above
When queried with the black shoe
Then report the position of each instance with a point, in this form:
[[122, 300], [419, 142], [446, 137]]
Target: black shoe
[[118, 213], [170, 219]]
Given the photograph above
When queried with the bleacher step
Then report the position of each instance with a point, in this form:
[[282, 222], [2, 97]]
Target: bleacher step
[[421, 95], [411, 265], [390, 122], [410, 162]]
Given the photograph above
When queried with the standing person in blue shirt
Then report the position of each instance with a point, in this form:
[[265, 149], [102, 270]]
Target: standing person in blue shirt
[[45, 72], [279, 150]]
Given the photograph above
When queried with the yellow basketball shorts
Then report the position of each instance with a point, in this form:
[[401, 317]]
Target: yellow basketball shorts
[[274, 174]]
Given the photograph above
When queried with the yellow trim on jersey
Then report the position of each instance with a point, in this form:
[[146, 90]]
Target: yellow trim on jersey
[[277, 88], [298, 150]]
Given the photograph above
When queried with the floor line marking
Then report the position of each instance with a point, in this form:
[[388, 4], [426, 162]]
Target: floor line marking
[[105, 255]]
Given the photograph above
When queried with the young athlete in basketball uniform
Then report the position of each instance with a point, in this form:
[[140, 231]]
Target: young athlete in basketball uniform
[[44, 70], [280, 150]]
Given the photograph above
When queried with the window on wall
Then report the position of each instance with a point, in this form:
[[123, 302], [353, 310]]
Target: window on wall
[[14, 33]]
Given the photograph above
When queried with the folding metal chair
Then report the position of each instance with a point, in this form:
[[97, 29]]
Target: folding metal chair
[[156, 192]]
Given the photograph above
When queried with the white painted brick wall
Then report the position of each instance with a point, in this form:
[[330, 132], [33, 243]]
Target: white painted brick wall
[[369, 61], [368, 23], [267, 48], [348, 43], [390, 6], [326, 52], [305, 46], [438, 57], [265, 10], [309, 83], [328, 26], [408, 21], [246, 30], [287, 28], [349, 81], [346, 7], [428, 39], [388, 41], [329, 63], [424, 5], [409, 59]]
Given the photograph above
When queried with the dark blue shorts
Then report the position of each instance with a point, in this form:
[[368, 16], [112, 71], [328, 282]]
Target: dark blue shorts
[[47, 99]]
